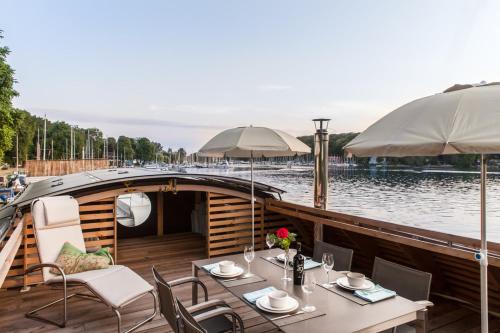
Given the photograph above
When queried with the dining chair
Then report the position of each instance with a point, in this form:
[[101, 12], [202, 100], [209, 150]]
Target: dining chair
[[194, 323], [342, 256], [407, 282], [170, 310]]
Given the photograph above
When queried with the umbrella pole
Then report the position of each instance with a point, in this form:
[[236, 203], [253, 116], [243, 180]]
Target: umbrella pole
[[253, 200], [483, 255]]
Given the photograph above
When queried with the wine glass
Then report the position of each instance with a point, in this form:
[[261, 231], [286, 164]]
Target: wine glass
[[327, 261], [308, 286], [270, 242], [249, 255]]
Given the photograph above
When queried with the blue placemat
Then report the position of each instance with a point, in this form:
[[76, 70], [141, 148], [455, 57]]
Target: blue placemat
[[377, 293], [253, 296], [309, 264], [209, 267]]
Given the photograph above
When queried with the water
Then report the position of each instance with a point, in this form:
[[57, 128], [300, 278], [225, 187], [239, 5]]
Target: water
[[440, 201]]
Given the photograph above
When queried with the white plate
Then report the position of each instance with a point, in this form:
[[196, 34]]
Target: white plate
[[263, 304], [344, 283], [236, 271]]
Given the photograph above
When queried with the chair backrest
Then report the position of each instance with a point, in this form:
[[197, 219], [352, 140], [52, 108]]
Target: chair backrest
[[168, 307], [405, 281], [342, 256], [190, 325], [56, 220]]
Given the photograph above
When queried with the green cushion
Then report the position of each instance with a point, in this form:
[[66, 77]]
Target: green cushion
[[72, 260]]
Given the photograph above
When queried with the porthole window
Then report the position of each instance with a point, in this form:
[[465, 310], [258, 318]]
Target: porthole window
[[133, 209]]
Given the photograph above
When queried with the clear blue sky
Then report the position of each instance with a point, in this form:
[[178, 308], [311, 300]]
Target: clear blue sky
[[180, 71]]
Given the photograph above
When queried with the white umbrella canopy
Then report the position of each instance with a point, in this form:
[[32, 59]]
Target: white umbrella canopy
[[246, 142], [250, 142], [464, 119]]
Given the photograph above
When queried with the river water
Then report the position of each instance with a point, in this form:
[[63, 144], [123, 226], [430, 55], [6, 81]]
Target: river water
[[441, 201]]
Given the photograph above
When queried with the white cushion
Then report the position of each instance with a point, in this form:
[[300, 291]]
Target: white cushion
[[116, 285], [84, 277], [58, 212], [51, 240]]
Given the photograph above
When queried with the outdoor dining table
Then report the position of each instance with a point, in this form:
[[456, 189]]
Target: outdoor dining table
[[340, 314]]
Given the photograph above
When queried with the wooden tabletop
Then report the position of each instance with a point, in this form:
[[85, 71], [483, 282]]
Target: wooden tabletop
[[342, 314]]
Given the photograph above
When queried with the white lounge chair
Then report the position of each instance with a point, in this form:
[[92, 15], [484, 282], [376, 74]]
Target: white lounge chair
[[56, 220]]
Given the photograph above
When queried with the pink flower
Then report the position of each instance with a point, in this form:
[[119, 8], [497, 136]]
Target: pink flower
[[282, 233]]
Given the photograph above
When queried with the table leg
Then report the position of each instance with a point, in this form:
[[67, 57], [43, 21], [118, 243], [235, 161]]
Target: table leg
[[421, 323], [195, 285]]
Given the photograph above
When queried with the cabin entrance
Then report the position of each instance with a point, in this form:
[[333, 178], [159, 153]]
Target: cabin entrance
[[161, 213]]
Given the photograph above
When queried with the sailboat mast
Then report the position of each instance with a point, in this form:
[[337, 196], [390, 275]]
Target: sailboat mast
[[44, 136]]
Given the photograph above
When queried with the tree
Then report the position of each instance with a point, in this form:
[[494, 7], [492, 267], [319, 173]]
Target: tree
[[144, 149], [126, 147], [7, 93]]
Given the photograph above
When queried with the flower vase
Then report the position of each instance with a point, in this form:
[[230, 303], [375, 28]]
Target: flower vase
[[285, 266]]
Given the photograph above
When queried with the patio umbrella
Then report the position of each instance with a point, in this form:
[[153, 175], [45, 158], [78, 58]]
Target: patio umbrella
[[464, 119], [251, 142]]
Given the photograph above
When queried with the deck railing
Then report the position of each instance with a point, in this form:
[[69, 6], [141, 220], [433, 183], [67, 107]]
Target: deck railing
[[455, 245]]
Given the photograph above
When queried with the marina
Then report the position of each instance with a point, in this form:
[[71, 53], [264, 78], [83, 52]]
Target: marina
[[249, 167]]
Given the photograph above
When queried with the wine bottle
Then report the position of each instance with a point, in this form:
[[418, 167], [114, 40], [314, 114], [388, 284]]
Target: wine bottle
[[298, 266]]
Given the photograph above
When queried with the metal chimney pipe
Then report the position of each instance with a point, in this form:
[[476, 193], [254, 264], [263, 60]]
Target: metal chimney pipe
[[320, 170]]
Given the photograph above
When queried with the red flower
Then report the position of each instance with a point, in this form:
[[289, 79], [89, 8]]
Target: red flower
[[282, 233]]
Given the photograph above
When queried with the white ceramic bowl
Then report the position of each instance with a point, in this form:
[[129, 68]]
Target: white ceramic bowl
[[226, 266], [355, 279], [278, 299]]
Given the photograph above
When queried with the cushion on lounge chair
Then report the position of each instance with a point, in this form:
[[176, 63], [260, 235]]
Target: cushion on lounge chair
[[51, 239], [72, 260], [116, 285], [59, 211]]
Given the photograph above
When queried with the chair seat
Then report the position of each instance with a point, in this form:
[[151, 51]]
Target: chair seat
[[116, 285], [217, 324], [84, 277]]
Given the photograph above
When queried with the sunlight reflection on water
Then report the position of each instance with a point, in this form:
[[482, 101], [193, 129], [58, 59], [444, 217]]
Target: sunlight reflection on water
[[447, 202]]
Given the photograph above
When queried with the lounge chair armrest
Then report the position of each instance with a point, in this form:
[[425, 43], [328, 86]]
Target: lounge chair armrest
[[190, 279], [46, 264], [213, 303], [223, 311], [426, 303]]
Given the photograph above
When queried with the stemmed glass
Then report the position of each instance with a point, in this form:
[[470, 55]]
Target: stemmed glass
[[327, 266], [249, 256], [270, 242], [308, 286]]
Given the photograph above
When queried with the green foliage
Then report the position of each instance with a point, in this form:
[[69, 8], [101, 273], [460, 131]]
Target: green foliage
[[7, 93], [284, 243]]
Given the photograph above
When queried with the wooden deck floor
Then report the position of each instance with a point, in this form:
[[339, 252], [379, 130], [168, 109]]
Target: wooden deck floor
[[173, 255]]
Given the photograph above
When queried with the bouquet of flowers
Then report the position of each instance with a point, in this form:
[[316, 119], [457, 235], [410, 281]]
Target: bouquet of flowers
[[283, 238]]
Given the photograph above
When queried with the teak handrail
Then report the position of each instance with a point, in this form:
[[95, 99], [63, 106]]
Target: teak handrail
[[8, 252], [433, 240]]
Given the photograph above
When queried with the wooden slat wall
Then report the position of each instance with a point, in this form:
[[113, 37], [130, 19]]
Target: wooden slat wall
[[229, 224], [229, 220], [98, 223], [38, 168]]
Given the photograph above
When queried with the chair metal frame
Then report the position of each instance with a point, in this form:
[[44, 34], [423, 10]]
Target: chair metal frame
[[64, 285], [220, 311], [214, 307]]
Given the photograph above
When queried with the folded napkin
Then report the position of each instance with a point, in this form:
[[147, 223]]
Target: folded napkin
[[209, 267], [309, 264], [375, 294], [253, 296]]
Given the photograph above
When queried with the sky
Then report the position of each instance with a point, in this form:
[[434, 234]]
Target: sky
[[181, 71]]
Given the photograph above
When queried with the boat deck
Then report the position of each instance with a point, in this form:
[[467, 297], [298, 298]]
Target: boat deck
[[172, 255]]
